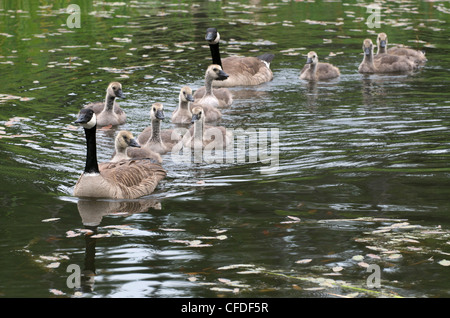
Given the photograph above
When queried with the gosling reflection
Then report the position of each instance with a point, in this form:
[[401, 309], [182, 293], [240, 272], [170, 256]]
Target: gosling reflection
[[92, 212]]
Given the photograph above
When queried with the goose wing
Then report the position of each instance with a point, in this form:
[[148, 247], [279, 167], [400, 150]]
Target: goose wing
[[132, 178]]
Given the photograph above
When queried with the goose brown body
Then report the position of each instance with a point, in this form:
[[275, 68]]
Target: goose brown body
[[242, 71], [125, 179]]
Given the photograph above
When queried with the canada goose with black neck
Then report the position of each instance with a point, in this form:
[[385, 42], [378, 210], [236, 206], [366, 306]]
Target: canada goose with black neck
[[383, 63], [109, 111], [126, 179], [242, 71], [316, 71]]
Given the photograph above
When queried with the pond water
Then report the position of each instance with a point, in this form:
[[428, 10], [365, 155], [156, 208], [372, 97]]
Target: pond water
[[360, 190]]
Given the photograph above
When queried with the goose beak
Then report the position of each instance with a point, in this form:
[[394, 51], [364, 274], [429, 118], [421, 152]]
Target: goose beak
[[160, 114], [383, 43], [195, 117], [82, 119], [309, 60], [367, 51], [210, 36], [120, 94], [222, 75], [133, 143], [190, 98]]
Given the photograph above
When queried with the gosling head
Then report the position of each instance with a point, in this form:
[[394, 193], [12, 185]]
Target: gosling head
[[115, 89], [125, 139], [157, 111], [212, 36], [367, 47], [197, 114], [215, 72], [382, 40], [312, 58], [86, 118], [186, 94]]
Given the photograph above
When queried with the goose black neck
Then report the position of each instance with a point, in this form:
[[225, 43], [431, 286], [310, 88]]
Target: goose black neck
[[215, 54], [91, 154]]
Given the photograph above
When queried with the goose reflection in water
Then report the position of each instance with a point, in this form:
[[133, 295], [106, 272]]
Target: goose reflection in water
[[92, 212]]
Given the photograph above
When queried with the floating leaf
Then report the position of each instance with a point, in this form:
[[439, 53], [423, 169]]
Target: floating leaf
[[444, 262], [51, 220], [57, 292], [358, 258], [53, 265], [337, 269], [304, 261]]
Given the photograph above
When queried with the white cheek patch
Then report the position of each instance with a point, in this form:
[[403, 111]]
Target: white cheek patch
[[90, 124]]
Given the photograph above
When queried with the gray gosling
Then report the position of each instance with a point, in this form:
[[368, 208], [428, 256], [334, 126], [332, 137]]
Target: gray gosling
[[109, 112], [126, 148], [315, 71]]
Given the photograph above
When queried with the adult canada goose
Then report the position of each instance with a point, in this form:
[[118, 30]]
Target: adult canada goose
[[126, 179], [183, 114], [109, 112], [209, 101], [383, 63], [315, 71], [201, 135], [243, 71], [152, 137], [126, 148], [414, 55]]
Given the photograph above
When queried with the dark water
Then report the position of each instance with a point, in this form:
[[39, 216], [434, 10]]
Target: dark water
[[362, 177]]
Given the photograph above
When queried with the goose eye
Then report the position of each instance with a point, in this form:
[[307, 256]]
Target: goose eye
[[114, 88]]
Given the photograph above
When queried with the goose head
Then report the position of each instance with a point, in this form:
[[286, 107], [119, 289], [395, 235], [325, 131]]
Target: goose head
[[186, 94], [86, 118], [115, 89], [215, 72], [367, 47], [312, 58], [157, 112], [212, 36], [197, 114], [382, 40], [125, 139]]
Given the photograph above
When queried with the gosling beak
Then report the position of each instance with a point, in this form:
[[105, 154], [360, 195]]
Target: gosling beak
[[160, 114], [133, 143], [120, 94], [367, 51], [383, 43], [309, 60], [195, 117], [222, 75], [190, 98]]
